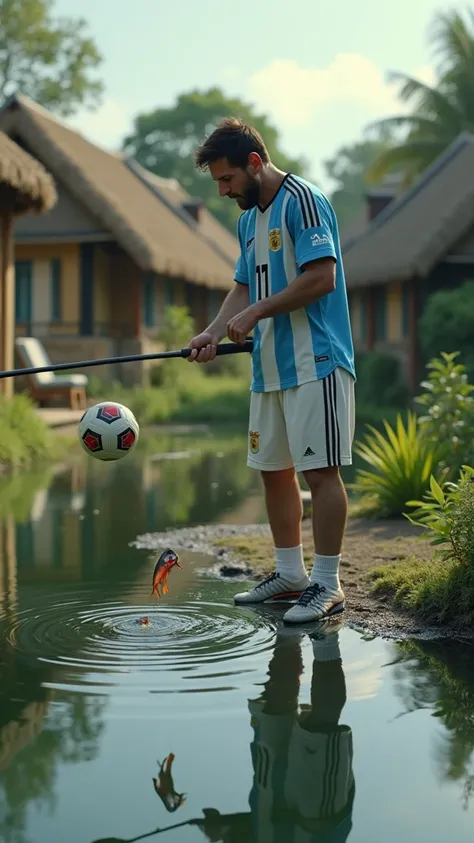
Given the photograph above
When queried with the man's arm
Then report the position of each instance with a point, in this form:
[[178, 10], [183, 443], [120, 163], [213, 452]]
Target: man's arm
[[204, 346], [235, 301], [317, 279], [311, 222]]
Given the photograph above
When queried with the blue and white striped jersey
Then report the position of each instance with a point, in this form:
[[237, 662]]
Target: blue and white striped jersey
[[298, 226]]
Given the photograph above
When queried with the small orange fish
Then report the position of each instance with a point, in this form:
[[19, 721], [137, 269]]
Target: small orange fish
[[167, 560], [164, 786]]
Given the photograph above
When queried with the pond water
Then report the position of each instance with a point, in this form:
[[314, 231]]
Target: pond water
[[278, 735]]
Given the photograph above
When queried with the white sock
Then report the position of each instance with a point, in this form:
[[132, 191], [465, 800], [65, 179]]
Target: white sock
[[290, 564], [327, 649], [325, 571]]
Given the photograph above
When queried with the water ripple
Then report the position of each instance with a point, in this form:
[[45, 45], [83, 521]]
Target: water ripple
[[102, 644]]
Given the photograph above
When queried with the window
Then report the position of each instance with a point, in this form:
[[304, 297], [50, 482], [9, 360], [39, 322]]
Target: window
[[56, 290], [149, 295], [23, 275]]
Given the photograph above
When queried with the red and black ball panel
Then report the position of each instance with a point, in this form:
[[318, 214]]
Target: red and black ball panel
[[109, 413], [126, 439], [92, 440]]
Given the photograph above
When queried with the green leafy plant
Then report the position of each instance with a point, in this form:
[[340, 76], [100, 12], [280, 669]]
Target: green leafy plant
[[448, 418], [447, 513], [177, 328], [26, 438], [401, 464], [175, 333]]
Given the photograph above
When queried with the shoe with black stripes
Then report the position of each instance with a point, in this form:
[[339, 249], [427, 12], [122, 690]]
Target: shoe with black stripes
[[315, 604], [273, 589]]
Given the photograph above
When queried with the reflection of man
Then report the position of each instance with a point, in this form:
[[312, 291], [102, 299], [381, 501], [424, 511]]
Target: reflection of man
[[303, 787]]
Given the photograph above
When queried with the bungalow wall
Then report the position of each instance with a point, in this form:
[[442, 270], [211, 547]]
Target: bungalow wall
[[380, 320], [386, 318], [86, 300]]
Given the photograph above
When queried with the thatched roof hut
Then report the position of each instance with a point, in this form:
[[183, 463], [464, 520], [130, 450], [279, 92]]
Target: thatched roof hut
[[25, 187]]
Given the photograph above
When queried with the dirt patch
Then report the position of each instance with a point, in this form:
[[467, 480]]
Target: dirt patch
[[245, 552]]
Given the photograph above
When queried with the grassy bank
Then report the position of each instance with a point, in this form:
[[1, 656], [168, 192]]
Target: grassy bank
[[25, 439], [440, 589], [434, 591]]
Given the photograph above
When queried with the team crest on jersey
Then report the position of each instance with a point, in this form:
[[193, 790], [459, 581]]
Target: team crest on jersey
[[274, 239], [254, 438]]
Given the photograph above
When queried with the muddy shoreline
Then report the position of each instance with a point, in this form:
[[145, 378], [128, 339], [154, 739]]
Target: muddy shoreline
[[244, 553]]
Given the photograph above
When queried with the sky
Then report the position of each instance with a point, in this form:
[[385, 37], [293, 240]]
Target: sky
[[317, 70]]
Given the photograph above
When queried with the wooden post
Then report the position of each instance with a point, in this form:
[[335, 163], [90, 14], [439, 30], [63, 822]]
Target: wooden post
[[7, 303], [370, 311], [413, 335]]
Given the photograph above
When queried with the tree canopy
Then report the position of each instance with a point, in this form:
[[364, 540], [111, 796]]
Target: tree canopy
[[50, 60], [164, 141]]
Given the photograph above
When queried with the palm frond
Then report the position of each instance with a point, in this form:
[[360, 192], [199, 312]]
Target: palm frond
[[405, 121], [453, 40], [428, 101], [408, 157]]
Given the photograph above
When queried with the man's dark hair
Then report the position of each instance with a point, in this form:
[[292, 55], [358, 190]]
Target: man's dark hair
[[232, 139]]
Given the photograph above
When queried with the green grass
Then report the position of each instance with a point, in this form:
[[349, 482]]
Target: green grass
[[25, 438], [437, 592]]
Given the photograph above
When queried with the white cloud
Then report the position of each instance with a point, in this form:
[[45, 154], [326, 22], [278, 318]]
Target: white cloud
[[106, 126], [295, 94], [318, 109]]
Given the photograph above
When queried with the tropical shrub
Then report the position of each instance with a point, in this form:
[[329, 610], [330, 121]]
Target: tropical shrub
[[448, 417], [26, 438], [442, 589], [447, 514], [400, 466]]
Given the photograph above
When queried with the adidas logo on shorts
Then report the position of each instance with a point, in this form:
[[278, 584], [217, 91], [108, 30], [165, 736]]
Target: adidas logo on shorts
[[308, 452]]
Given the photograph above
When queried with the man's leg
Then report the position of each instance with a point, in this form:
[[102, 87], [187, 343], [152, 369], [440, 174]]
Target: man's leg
[[320, 418], [320, 785], [269, 453]]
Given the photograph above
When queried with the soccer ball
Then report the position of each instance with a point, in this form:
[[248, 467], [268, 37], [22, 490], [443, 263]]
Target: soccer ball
[[108, 431]]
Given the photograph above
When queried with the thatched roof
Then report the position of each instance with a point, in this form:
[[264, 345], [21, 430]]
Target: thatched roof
[[25, 185], [417, 230], [209, 227], [147, 228]]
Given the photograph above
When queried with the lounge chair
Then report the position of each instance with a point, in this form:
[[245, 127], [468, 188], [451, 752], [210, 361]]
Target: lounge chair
[[48, 384]]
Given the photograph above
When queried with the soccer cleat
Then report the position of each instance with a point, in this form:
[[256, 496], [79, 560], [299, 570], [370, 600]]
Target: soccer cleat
[[272, 590], [315, 604]]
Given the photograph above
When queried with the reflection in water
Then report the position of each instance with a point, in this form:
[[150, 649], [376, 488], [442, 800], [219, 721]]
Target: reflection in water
[[164, 786], [68, 581], [303, 782], [86, 690], [439, 676]]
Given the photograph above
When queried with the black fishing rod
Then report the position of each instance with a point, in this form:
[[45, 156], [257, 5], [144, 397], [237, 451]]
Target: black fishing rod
[[223, 348], [150, 833]]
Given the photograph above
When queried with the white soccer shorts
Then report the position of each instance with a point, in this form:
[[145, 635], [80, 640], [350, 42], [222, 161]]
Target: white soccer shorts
[[306, 427]]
